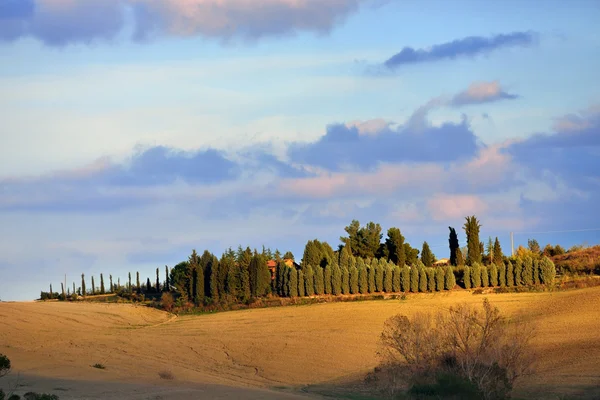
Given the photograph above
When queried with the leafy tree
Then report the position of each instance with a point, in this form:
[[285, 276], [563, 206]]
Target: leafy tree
[[336, 280], [353, 280], [244, 258], [75, 292], [292, 282], [363, 241], [528, 271], [454, 246], [319, 280], [440, 275], [422, 279], [309, 281], [327, 279], [129, 287], [548, 271], [215, 294], [476, 275], [430, 279], [344, 258], [363, 279], [233, 277], [345, 279], [405, 278], [196, 279], [472, 228], [449, 279], [396, 272], [426, 255], [371, 277], [414, 278], [534, 246], [260, 276], [148, 285], [94, 286], [467, 277], [394, 244], [510, 276], [485, 277], [388, 278], [498, 256], [181, 278], [282, 279], [493, 270], [301, 291]]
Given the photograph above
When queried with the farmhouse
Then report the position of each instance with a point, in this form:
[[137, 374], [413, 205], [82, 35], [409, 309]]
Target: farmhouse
[[441, 262]]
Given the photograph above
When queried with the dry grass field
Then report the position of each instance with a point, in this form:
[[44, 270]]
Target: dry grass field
[[268, 353]]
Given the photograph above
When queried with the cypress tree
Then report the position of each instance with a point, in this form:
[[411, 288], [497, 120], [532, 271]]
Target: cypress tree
[[548, 271], [353, 280], [440, 275], [319, 280], [426, 255], [309, 281], [167, 282], [485, 277], [422, 280], [474, 250], [157, 280], [137, 279], [396, 285], [345, 279], [476, 275], [292, 282], [327, 279], [467, 277], [233, 281], [510, 277], [93, 286], [74, 291], [518, 271], [490, 249], [414, 279], [454, 246], [102, 291], [128, 287], [528, 271], [388, 279], [344, 258], [112, 289], [363, 280], [62, 290], [405, 278], [502, 274], [51, 296], [449, 280], [214, 280], [498, 256], [430, 279], [336, 280], [119, 283], [301, 291], [83, 292], [379, 272], [536, 271], [148, 285], [280, 273], [394, 244], [460, 260], [493, 270], [371, 277]]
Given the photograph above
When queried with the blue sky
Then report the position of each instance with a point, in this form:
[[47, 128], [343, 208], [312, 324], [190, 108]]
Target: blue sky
[[135, 130]]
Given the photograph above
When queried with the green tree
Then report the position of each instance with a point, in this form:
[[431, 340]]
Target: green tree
[[244, 258], [102, 291], [472, 228], [129, 287], [460, 258], [353, 280], [363, 279], [414, 278], [371, 277], [430, 279], [476, 275], [363, 241], [112, 289], [148, 285], [309, 281], [395, 246], [510, 276], [167, 283], [319, 280], [411, 254], [196, 279], [493, 270], [233, 276], [498, 256], [490, 249], [379, 273], [502, 274], [344, 258], [288, 255], [454, 246], [440, 275], [450, 279], [396, 285], [281, 278], [388, 278], [405, 278], [301, 289], [94, 286], [336, 280], [260, 276], [137, 286], [345, 279], [528, 270], [157, 280], [422, 279], [485, 277], [293, 282], [536, 271], [427, 255], [327, 279], [548, 271], [467, 277], [518, 271], [534, 246]]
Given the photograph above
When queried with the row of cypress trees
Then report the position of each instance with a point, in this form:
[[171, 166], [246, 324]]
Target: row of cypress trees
[[517, 271]]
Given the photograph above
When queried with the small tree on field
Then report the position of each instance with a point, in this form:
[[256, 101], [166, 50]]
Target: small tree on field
[[93, 286], [439, 278], [472, 228], [336, 280], [450, 280], [502, 274], [414, 279], [166, 300], [319, 281], [454, 247], [354, 280], [485, 277], [498, 256], [536, 271], [528, 271], [371, 278], [467, 277], [128, 285], [148, 285], [430, 279], [83, 292], [426, 255], [422, 279], [476, 275], [379, 272], [363, 280], [518, 271], [138, 286], [112, 289], [157, 281]]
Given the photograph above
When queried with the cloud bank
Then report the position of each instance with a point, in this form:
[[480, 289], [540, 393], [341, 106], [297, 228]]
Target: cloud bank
[[460, 48]]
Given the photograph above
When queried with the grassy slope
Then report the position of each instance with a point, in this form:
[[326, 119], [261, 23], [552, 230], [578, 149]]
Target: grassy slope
[[278, 347]]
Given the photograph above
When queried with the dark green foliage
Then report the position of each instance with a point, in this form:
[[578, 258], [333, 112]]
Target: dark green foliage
[[292, 282], [548, 271], [244, 258], [467, 277], [394, 244], [502, 274], [422, 279], [430, 279], [327, 279], [309, 281], [363, 279], [94, 286], [345, 279], [498, 256], [318, 253], [405, 279], [137, 286], [129, 286], [527, 271], [167, 283], [336, 280], [474, 251], [449, 279], [493, 271], [371, 278], [534, 246], [379, 275], [260, 276], [363, 241], [446, 386], [414, 278], [214, 268], [4, 365], [476, 275], [232, 280], [148, 286], [319, 280], [396, 285], [181, 278], [75, 292], [344, 259], [536, 271], [454, 246], [353, 281], [281, 278], [485, 277], [51, 296], [102, 291], [288, 255], [388, 278], [518, 271], [411, 254], [427, 257], [510, 276], [301, 287], [460, 259], [83, 291], [440, 275], [490, 250]]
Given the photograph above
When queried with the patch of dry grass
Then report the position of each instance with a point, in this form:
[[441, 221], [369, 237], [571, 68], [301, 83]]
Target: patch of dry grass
[[584, 261]]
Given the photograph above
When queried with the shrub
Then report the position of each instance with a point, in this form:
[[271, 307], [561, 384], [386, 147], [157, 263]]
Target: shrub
[[168, 375], [353, 280], [502, 275], [99, 366], [166, 301], [510, 276], [371, 279], [485, 281], [405, 279], [518, 271], [388, 279], [548, 271], [528, 271], [476, 275]]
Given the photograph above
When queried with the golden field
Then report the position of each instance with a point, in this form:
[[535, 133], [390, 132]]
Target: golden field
[[267, 353]]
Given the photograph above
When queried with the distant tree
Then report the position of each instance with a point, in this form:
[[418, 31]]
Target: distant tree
[[301, 290], [476, 275], [51, 294], [449, 279], [405, 278], [460, 258], [129, 287], [196, 279], [74, 291], [502, 274], [327, 279], [138, 287], [112, 289], [345, 279], [422, 279], [319, 280], [493, 271], [371, 277], [363, 279], [411, 254], [490, 249], [363, 241], [167, 287], [454, 246], [309, 281], [157, 280], [102, 291], [467, 277], [336, 280], [430, 279], [440, 276], [388, 278], [414, 278], [498, 256], [292, 282], [353, 273], [548, 271], [93, 286], [518, 271], [472, 228], [148, 286], [510, 276], [395, 246], [396, 278], [426, 255], [260, 276], [232, 286], [485, 277], [534, 246], [215, 283], [528, 270], [119, 283], [288, 255]]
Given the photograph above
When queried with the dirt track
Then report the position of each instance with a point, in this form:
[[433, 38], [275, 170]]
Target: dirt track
[[282, 348]]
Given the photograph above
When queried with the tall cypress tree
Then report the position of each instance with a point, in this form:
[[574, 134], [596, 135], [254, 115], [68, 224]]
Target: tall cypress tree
[[394, 244], [493, 270], [485, 277], [74, 291], [450, 279], [518, 271], [157, 280], [233, 277], [148, 285], [319, 281], [336, 280], [363, 279], [102, 291], [502, 274], [536, 271], [460, 259], [345, 279], [353, 273], [440, 276], [301, 292], [474, 250], [112, 289], [93, 286], [454, 246], [510, 277], [83, 291], [405, 278], [62, 290], [422, 279], [128, 287], [476, 275], [138, 287], [490, 249], [396, 285], [280, 278], [371, 277], [498, 256], [292, 282], [214, 280], [528, 271], [426, 255], [414, 279], [327, 279], [309, 281], [379, 271], [51, 296], [388, 278], [430, 279], [467, 277], [167, 287]]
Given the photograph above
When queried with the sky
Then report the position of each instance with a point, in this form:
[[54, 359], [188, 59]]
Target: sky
[[133, 131]]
